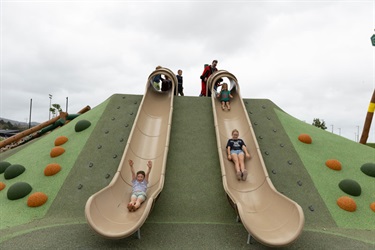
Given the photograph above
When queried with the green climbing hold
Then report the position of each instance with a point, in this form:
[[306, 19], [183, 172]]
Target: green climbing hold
[[19, 190], [13, 171], [82, 125]]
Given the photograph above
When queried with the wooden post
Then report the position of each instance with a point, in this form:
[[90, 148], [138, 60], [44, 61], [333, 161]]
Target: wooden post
[[368, 120]]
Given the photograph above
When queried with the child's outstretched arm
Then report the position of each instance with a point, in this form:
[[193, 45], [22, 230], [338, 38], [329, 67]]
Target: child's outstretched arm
[[149, 166], [132, 169]]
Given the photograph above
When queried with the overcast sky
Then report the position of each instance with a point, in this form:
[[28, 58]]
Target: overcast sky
[[314, 59]]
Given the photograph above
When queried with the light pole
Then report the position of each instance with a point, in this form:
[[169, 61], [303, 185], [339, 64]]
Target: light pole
[[31, 105], [332, 128], [66, 106], [49, 108]]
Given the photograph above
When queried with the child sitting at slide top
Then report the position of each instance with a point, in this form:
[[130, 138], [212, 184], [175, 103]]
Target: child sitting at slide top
[[139, 181], [224, 96]]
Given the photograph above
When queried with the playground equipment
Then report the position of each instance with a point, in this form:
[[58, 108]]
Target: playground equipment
[[44, 127], [270, 217], [106, 211], [368, 120]]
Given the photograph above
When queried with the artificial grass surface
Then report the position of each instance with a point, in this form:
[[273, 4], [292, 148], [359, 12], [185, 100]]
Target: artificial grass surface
[[35, 158], [352, 156], [192, 210]]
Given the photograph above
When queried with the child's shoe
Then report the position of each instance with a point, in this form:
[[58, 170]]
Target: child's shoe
[[244, 175], [239, 175]]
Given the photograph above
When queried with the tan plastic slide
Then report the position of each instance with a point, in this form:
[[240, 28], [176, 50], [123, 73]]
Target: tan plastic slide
[[106, 211], [270, 217]]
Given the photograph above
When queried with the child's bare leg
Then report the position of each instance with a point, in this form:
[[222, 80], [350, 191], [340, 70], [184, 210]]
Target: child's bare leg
[[222, 105], [228, 105], [236, 166], [138, 203], [242, 166]]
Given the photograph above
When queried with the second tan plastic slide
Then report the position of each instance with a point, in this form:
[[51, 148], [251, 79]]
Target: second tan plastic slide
[[106, 211], [270, 217]]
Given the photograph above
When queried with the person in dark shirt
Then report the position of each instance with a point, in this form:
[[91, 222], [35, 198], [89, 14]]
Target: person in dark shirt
[[179, 89], [237, 152]]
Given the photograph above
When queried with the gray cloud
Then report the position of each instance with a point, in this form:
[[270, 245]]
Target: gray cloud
[[313, 59]]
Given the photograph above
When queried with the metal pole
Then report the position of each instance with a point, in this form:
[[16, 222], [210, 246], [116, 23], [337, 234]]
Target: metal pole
[[49, 108], [66, 105], [31, 105]]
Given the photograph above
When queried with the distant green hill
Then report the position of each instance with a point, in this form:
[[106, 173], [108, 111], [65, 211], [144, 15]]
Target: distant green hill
[[192, 210]]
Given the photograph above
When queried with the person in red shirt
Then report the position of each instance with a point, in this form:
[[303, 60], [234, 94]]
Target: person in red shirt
[[208, 70]]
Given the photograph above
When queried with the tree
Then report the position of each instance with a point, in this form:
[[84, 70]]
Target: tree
[[55, 107], [319, 124]]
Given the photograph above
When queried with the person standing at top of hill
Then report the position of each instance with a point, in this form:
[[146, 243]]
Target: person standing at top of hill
[[208, 70], [179, 89]]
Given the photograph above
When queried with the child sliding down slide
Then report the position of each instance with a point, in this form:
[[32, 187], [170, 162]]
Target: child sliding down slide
[[139, 181]]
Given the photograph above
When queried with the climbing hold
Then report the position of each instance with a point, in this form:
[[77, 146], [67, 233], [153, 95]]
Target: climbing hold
[[350, 187], [82, 125], [290, 162], [18, 190], [367, 168], [260, 137], [274, 130], [255, 123], [37, 199], [347, 203], [266, 152], [311, 208], [91, 164], [299, 183], [305, 138], [2, 185], [333, 164], [107, 176], [131, 113], [273, 171], [268, 118], [106, 132], [99, 146], [56, 151], [122, 139], [60, 140], [126, 125], [263, 107], [4, 165], [118, 107], [113, 118], [13, 171], [114, 156], [80, 186], [281, 145], [52, 169]]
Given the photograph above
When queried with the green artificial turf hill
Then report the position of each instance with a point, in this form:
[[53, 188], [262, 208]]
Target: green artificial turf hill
[[192, 210]]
